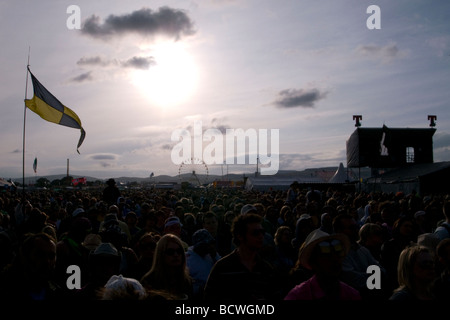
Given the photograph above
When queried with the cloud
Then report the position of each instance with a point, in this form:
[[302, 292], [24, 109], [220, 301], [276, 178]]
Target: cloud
[[82, 77], [93, 61], [134, 62], [139, 62], [386, 54], [103, 157], [441, 140], [174, 23], [293, 98]]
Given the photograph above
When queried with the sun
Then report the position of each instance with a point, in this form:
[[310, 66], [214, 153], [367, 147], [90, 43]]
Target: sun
[[172, 80]]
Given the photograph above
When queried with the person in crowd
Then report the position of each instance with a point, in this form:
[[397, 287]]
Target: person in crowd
[[174, 226], [112, 233], [286, 255], [131, 221], [303, 227], [224, 236], [31, 275], [356, 262], [104, 262], [403, 235], [243, 274], [210, 223], [200, 258], [70, 249], [441, 286], [416, 273], [169, 273], [114, 214], [443, 229], [111, 192], [323, 254], [145, 249], [119, 287], [371, 237]]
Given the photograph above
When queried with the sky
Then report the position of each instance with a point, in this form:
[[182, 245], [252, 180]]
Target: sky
[[138, 72]]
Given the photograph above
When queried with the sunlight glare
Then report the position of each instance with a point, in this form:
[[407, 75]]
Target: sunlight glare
[[172, 80]]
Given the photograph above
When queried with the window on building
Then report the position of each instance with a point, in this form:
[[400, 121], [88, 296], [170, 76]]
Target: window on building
[[409, 155]]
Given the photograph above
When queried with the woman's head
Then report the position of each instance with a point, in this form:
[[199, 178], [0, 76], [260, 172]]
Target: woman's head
[[169, 253], [415, 265]]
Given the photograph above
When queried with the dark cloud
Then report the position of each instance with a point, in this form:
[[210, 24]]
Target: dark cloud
[[293, 98], [385, 53], [16, 151], [174, 23], [134, 62], [139, 62], [82, 77], [103, 157], [93, 61], [167, 147]]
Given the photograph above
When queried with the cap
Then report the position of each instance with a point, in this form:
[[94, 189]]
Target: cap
[[172, 221], [121, 283], [77, 211], [248, 208], [106, 249], [202, 236], [419, 213], [92, 241]]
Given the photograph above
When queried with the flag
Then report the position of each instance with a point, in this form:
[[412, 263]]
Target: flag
[[76, 181], [49, 108], [35, 165]]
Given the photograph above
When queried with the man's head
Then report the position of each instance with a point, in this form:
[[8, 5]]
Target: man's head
[[38, 253], [248, 231]]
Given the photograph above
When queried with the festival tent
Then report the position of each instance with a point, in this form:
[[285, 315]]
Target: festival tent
[[340, 176], [265, 183], [422, 178], [4, 184]]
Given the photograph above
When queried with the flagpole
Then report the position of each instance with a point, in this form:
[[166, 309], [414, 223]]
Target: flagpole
[[24, 122]]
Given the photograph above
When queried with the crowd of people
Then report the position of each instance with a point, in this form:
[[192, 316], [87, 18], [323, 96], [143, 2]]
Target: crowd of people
[[224, 244]]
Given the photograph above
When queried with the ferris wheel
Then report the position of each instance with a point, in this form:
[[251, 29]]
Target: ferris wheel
[[194, 171]]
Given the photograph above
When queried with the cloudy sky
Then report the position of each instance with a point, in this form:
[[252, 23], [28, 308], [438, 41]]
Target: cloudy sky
[[137, 71]]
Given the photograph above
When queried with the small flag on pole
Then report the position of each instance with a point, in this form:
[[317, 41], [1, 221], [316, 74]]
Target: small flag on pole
[[35, 165], [49, 108]]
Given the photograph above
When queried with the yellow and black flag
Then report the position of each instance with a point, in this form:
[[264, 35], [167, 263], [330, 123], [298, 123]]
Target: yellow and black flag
[[51, 109]]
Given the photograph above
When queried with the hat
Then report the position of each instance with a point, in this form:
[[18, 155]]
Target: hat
[[111, 182], [77, 211], [419, 213], [120, 283], [248, 208], [92, 241], [172, 221], [304, 216], [314, 238], [110, 218], [106, 249], [201, 236]]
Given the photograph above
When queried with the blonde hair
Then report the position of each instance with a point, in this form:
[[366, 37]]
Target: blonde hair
[[158, 277], [405, 266]]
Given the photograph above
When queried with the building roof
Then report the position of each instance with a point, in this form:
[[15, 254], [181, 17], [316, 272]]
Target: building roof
[[413, 172]]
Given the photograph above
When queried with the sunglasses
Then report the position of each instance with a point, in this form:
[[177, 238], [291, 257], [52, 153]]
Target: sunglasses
[[328, 247], [172, 252]]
